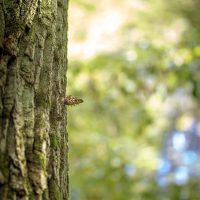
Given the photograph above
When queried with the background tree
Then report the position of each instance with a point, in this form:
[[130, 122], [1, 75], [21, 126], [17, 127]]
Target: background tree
[[33, 64]]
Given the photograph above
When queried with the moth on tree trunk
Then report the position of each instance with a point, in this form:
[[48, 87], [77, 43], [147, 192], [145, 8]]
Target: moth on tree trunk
[[33, 65], [72, 100]]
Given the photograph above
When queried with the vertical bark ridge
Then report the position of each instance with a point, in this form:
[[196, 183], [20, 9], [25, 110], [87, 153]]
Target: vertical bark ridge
[[59, 180]]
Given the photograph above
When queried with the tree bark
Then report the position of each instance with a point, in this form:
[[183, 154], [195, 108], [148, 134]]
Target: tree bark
[[33, 65]]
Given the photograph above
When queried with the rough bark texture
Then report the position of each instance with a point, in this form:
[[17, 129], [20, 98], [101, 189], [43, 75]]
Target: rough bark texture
[[33, 64]]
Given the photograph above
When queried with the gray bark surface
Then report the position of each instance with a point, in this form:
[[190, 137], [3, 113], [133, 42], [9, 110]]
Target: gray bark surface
[[33, 65]]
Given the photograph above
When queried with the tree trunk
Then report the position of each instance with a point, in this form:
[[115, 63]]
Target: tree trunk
[[33, 64]]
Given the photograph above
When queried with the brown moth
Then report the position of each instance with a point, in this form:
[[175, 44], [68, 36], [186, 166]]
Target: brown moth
[[71, 100]]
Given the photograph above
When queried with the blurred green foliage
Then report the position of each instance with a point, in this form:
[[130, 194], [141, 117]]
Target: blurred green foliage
[[129, 93]]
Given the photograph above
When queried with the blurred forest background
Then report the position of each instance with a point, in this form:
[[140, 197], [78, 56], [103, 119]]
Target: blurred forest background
[[136, 64]]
